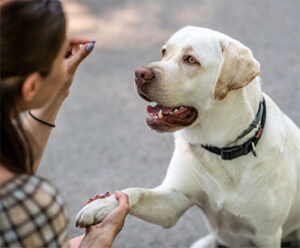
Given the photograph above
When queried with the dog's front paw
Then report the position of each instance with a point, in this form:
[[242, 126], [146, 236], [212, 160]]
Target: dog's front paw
[[95, 211]]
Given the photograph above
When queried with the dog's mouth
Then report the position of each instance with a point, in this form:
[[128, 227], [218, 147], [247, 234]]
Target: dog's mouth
[[170, 119]]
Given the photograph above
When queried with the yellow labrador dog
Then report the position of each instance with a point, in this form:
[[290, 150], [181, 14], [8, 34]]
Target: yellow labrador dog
[[237, 156]]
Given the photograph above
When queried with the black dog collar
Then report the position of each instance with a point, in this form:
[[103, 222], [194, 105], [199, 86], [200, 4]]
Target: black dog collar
[[228, 153]]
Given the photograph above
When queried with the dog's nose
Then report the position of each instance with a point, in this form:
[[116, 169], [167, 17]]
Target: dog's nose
[[144, 74]]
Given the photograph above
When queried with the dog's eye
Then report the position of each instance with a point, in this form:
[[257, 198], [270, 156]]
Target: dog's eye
[[163, 52], [191, 60]]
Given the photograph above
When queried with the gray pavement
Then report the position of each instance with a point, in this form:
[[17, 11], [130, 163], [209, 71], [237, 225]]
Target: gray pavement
[[101, 142]]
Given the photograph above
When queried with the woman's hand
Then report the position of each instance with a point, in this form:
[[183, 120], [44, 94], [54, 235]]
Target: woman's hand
[[103, 234], [78, 50]]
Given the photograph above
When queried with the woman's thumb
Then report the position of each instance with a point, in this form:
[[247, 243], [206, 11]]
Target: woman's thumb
[[84, 51], [122, 198]]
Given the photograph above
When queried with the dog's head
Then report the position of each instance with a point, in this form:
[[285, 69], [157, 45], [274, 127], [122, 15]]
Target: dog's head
[[198, 66]]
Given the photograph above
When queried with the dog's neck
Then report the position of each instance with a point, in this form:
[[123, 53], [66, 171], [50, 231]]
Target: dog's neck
[[227, 119]]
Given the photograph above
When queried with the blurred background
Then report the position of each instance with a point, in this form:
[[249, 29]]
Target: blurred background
[[101, 142]]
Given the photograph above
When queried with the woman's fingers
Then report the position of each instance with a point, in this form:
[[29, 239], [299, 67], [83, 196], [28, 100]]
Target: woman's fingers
[[77, 47], [72, 49], [123, 201], [79, 55], [74, 40], [117, 216]]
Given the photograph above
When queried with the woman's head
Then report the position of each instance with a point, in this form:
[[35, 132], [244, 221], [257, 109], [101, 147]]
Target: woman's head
[[32, 45]]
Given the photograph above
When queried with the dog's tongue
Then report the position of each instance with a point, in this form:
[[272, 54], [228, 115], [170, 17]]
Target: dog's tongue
[[152, 111]]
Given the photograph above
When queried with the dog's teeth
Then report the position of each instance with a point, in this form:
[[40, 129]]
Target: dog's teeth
[[160, 114], [175, 110], [181, 107]]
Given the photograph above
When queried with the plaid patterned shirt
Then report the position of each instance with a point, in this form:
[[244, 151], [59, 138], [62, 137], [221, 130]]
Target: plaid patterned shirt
[[32, 214]]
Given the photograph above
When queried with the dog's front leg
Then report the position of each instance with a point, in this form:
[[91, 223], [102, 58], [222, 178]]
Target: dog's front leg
[[268, 240], [160, 205]]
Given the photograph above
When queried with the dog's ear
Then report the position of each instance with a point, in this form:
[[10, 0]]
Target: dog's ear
[[238, 69]]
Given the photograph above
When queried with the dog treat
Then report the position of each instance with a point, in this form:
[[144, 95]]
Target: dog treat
[[98, 196]]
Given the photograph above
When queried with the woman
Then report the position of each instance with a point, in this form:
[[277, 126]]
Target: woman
[[37, 68]]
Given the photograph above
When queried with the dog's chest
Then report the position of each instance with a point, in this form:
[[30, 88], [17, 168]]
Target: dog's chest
[[223, 219], [220, 201], [228, 227]]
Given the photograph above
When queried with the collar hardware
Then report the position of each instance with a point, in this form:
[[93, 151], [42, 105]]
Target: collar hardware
[[254, 149]]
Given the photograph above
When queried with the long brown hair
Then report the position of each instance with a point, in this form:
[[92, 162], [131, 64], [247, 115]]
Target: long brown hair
[[31, 35]]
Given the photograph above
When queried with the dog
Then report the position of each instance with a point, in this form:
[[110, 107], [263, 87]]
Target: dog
[[237, 156]]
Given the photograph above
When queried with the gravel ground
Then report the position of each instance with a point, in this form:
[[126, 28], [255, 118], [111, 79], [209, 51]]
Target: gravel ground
[[101, 142]]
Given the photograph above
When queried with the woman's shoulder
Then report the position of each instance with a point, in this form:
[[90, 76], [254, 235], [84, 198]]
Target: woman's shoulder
[[33, 188], [28, 184], [32, 212]]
